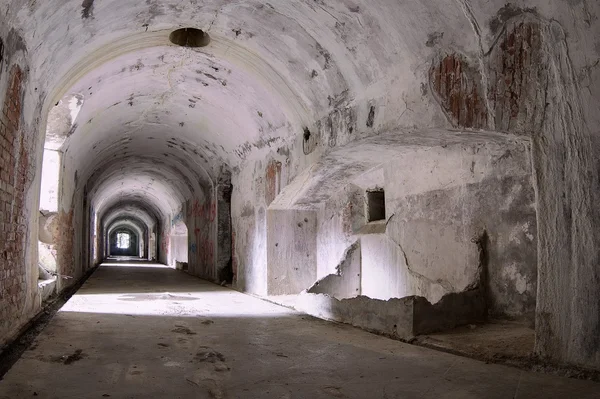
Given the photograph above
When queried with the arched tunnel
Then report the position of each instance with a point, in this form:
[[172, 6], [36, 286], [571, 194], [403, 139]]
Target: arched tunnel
[[210, 172]]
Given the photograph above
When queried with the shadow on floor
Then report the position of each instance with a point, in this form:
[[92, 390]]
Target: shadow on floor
[[148, 331], [490, 341], [287, 356]]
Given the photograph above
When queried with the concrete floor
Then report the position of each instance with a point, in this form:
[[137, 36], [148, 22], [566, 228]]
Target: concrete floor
[[146, 331], [493, 340]]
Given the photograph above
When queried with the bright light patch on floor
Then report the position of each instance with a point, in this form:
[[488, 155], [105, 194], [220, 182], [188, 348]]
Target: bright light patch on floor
[[138, 265], [193, 304], [142, 289]]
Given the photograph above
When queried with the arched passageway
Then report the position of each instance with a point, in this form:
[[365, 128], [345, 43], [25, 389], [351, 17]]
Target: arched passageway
[[406, 167], [124, 242], [180, 243]]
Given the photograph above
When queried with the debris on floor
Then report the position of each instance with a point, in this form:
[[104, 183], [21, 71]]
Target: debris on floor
[[183, 330], [69, 359]]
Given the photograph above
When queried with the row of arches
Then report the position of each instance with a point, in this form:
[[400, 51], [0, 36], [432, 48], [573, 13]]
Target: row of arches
[[143, 135]]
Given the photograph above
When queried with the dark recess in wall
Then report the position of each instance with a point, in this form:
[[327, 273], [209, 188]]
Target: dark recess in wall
[[306, 134], [1, 55], [371, 118], [309, 142], [225, 275], [375, 205]]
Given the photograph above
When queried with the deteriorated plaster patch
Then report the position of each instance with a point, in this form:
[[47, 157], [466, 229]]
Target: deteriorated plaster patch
[[501, 93]]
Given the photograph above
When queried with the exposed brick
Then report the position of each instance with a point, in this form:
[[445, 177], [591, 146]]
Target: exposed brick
[[513, 70], [14, 164], [273, 183], [514, 74], [459, 91]]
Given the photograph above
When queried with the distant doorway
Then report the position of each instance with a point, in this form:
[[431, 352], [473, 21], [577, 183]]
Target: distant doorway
[[124, 242]]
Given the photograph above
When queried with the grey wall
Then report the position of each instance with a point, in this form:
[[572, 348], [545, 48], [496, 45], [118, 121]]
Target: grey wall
[[292, 250], [439, 202], [437, 230], [338, 219], [346, 282]]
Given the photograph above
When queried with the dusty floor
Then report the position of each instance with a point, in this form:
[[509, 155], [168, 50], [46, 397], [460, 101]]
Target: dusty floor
[[486, 341], [146, 331]]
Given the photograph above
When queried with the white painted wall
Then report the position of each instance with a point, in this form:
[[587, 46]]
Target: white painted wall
[[50, 180]]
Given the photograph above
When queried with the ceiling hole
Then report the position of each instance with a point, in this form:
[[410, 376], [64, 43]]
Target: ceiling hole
[[306, 134], [189, 37]]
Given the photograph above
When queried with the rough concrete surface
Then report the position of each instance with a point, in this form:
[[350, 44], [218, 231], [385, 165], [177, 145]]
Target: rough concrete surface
[[439, 199], [141, 330], [346, 282], [491, 341], [400, 318]]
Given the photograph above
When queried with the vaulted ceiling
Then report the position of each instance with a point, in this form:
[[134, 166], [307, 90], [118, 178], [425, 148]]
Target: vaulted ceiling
[[158, 123]]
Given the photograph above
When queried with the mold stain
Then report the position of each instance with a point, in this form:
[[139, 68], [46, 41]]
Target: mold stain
[[325, 54], [506, 13], [434, 38]]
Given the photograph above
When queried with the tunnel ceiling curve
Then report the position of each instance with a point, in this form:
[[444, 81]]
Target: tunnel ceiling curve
[[161, 186], [268, 72], [129, 210], [127, 220], [126, 224]]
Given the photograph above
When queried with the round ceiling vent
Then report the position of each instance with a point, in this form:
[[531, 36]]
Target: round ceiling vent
[[189, 37]]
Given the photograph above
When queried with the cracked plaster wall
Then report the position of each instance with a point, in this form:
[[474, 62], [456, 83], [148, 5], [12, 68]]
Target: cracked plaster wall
[[435, 207]]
